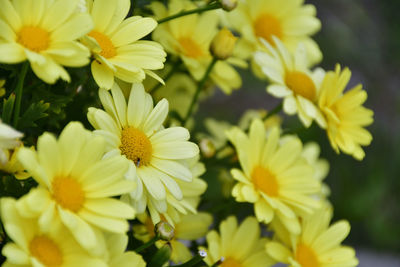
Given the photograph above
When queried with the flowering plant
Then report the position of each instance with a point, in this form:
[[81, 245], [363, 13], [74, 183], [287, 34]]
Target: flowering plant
[[109, 165]]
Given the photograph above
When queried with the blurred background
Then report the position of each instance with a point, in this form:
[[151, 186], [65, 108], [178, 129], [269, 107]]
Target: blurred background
[[363, 35]]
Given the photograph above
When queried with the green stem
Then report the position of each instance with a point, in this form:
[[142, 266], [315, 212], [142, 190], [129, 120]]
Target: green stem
[[198, 90], [18, 92], [195, 260], [167, 77], [199, 10], [274, 111], [148, 244]]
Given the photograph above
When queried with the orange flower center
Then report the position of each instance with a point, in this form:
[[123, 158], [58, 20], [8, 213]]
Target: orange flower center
[[266, 26], [306, 256], [34, 38], [107, 48], [265, 181], [301, 84], [46, 251], [136, 146], [190, 48], [230, 262], [68, 193]]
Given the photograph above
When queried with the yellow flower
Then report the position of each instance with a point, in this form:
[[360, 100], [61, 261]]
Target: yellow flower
[[190, 227], [135, 130], [76, 185], [237, 245], [45, 32], [318, 245], [116, 47], [345, 114], [13, 165], [223, 44], [292, 80], [274, 176], [117, 256], [31, 246], [289, 20], [9, 139], [189, 37]]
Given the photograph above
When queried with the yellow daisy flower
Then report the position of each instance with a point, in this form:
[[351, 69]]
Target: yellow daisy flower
[[190, 227], [31, 246], [189, 37], [135, 130], [345, 114], [116, 47], [237, 245], [318, 245], [13, 165], [292, 80], [9, 139], [274, 176], [76, 185], [117, 256], [45, 32], [291, 21]]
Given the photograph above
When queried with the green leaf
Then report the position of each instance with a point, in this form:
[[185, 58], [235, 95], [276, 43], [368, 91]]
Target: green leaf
[[8, 106], [161, 256], [34, 112]]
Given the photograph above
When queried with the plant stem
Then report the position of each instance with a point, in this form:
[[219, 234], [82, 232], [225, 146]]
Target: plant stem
[[18, 92], [199, 10], [148, 244], [167, 77], [199, 87], [274, 111]]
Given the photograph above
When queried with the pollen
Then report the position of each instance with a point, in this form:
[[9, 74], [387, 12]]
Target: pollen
[[46, 251], [230, 262], [190, 48], [68, 193], [265, 181], [301, 84], [306, 256], [107, 47], [136, 146], [266, 26], [34, 38]]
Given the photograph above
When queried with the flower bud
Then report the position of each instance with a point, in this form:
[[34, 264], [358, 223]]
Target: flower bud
[[207, 148], [223, 44], [228, 5], [164, 230]]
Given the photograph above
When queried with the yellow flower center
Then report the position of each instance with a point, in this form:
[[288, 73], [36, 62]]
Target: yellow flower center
[[46, 251], [34, 38], [190, 48], [107, 48], [68, 193], [306, 256], [265, 181], [136, 146], [266, 26], [229, 262], [301, 84]]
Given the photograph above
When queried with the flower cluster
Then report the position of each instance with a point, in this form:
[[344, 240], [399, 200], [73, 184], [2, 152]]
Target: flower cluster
[[130, 180]]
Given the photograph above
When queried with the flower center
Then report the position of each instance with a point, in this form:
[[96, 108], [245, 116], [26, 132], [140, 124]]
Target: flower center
[[306, 256], [265, 181], [229, 262], [68, 193], [190, 48], [46, 251], [301, 84], [136, 146], [107, 48], [266, 26], [34, 38]]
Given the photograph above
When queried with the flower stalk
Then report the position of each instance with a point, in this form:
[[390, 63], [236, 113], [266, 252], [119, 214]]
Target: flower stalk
[[18, 93], [198, 10]]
